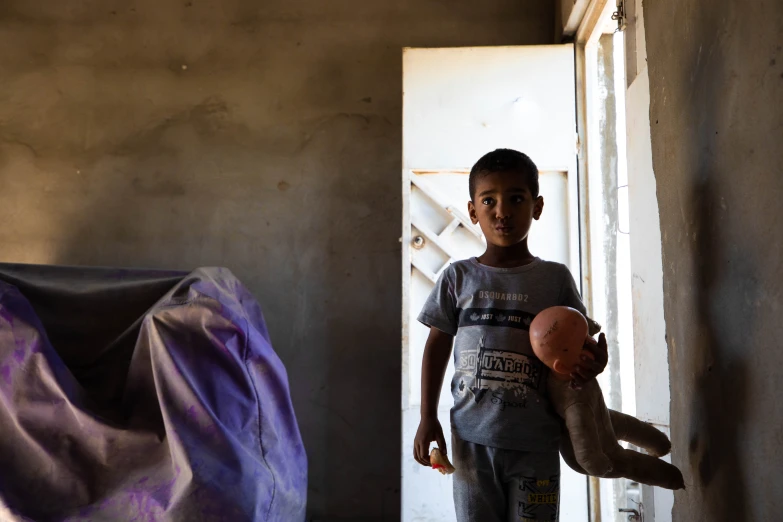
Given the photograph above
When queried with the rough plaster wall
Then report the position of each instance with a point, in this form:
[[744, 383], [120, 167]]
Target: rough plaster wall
[[716, 80], [261, 136]]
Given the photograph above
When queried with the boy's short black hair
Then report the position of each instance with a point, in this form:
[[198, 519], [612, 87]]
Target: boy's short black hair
[[505, 160]]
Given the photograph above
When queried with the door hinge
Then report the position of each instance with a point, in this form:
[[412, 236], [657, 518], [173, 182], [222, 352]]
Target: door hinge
[[619, 16]]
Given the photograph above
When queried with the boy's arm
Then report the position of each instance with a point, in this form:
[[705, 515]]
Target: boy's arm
[[433, 368]]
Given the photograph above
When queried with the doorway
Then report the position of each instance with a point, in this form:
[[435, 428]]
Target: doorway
[[582, 116], [458, 105]]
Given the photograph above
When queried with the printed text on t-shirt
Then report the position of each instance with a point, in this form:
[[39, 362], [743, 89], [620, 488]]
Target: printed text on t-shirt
[[502, 296]]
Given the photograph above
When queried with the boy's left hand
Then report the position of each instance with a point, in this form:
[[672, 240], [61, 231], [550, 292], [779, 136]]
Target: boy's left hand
[[588, 369]]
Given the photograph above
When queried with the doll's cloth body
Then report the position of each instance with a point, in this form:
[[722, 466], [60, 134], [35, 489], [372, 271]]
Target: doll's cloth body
[[591, 446]]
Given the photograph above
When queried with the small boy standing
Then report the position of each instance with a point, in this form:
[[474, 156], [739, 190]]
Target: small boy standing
[[505, 434]]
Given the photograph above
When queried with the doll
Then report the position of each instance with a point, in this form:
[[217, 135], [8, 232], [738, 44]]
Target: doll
[[558, 336]]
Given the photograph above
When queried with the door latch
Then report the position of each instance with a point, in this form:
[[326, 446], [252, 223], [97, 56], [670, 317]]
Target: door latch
[[634, 515]]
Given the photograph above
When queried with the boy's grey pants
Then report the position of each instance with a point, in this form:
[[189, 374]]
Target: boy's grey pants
[[497, 485]]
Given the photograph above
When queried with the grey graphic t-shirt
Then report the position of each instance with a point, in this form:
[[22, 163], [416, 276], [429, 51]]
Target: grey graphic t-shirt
[[499, 385]]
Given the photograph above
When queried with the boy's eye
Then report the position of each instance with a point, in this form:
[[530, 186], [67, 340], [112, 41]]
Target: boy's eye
[[517, 199], [487, 201]]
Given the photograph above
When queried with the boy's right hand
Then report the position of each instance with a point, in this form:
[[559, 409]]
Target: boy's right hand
[[429, 431]]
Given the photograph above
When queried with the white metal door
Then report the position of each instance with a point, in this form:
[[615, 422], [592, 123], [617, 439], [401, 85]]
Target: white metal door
[[458, 105]]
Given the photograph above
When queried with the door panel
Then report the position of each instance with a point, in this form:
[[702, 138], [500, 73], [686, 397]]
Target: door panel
[[458, 105]]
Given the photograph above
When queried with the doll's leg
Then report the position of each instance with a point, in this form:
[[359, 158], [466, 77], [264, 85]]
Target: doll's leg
[[646, 469], [567, 452], [638, 433]]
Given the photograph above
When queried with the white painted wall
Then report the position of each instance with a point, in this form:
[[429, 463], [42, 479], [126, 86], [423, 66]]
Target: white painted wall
[[649, 327], [651, 353]]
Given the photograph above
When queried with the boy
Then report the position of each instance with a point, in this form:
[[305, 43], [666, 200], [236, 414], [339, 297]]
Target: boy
[[505, 435]]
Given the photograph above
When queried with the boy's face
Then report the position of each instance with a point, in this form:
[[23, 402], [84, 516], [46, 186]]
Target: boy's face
[[504, 208]]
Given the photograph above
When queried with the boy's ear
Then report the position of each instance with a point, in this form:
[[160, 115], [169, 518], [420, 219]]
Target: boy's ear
[[538, 207], [472, 213]]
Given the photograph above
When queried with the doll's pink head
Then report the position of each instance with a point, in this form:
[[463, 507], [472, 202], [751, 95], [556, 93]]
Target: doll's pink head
[[558, 336]]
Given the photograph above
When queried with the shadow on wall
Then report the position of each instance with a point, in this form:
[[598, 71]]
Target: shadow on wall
[[721, 369], [363, 388], [717, 353]]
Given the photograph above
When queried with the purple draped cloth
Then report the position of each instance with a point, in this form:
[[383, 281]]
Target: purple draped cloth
[[135, 395]]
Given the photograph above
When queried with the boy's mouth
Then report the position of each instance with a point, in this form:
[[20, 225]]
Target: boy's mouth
[[504, 229]]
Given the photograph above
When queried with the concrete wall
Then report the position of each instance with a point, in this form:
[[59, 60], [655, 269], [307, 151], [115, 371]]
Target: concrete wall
[[261, 136], [716, 83]]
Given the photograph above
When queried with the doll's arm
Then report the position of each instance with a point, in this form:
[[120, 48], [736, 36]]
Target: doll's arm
[[583, 431]]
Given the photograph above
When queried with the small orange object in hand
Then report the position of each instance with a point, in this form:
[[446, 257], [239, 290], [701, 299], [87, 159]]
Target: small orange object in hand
[[441, 462]]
